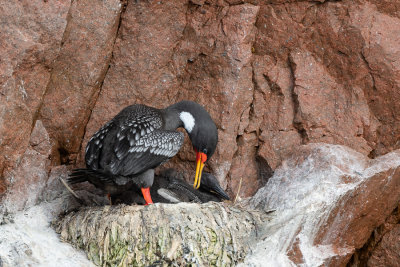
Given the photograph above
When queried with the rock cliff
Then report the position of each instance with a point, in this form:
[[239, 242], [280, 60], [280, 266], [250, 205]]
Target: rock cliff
[[274, 75]]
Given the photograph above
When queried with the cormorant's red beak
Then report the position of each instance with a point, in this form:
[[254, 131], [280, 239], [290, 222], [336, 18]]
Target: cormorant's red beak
[[200, 159]]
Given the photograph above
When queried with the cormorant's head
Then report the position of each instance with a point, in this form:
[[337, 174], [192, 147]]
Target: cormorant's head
[[211, 185], [202, 132]]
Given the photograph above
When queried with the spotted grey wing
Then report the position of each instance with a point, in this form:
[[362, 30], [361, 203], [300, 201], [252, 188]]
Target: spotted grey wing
[[147, 152], [132, 121], [95, 145], [136, 142]]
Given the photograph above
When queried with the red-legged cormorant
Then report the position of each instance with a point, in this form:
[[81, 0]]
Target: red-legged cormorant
[[168, 187], [140, 138]]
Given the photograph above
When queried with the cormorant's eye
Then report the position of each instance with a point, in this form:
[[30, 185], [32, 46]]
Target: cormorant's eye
[[205, 151]]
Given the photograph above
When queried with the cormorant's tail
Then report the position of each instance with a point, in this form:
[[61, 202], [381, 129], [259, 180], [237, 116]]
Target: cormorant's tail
[[88, 175]]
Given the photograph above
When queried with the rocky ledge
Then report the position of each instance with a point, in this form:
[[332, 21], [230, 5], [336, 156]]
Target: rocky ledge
[[326, 200]]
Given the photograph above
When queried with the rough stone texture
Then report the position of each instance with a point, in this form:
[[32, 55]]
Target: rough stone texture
[[345, 115], [243, 168], [383, 61], [321, 51], [141, 65], [328, 200], [273, 110], [379, 246], [366, 208], [289, 73], [30, 38], [273, 74], [79, 72], [26, 182], [388, 251], [285, 73]]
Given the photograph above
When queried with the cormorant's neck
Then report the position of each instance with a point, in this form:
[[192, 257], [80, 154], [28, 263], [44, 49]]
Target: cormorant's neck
[[171, 119]]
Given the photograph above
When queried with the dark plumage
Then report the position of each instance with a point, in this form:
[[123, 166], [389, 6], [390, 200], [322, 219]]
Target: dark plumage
[[106, 182], [170, 187], [126, 150], [211, 187]]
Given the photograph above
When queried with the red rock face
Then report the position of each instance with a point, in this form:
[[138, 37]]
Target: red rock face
[[26, 182], [381, 249], [78, 72], [387, 252], [276, 75], [146, 38], [30, 38], [272, 75], [366, 208], [328, 200]]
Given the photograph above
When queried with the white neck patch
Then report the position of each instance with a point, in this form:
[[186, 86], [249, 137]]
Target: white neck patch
[[188, 120]]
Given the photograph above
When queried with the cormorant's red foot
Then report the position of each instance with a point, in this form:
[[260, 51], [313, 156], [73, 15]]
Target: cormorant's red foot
[[146, 195], [109, 198]]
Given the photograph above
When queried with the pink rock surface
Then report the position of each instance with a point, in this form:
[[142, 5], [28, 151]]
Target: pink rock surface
[[328, 199], [273, 76], [289, 74], [30, 38], [78, 72], [26, 182], [387, 251]]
